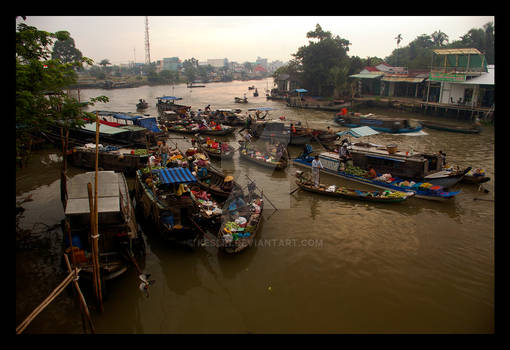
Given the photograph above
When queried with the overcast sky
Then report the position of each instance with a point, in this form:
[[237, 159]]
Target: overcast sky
[[241, 38]]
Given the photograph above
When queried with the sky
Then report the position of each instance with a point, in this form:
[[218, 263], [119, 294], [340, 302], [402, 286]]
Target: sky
[[242, 38]]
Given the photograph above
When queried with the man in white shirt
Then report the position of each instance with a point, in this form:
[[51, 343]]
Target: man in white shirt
[[316, 166]]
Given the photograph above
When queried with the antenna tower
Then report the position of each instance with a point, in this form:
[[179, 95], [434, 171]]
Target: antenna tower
[[147, 45]]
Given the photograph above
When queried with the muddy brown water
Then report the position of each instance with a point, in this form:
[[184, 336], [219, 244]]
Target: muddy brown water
[[318, 265]]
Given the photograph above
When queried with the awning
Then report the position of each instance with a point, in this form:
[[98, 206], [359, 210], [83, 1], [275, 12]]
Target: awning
[[359, 132], [367, 75], [261, 109], [468, 51], [175, 175], [301, 90], [169, 98], [403, 79], [126, 117]]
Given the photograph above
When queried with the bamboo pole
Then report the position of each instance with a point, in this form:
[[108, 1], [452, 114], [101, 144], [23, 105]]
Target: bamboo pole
[[21, 327], [95, 236], [83, 304]]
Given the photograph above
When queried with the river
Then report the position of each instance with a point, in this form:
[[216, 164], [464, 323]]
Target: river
[[319, 265]]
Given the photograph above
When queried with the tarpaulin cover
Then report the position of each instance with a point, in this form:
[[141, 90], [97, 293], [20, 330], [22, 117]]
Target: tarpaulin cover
[[301, 90], [148, 123], [261, 109], [126, 117], [175, 175], [359, 132]]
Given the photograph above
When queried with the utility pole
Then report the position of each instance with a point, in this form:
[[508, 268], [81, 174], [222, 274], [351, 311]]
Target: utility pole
[[147, 46]]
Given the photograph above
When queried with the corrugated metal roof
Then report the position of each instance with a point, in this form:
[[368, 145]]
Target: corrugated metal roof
[[107, 192], [367, 75], [466, 51]]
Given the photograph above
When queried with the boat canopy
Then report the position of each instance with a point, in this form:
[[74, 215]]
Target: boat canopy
[[127, 117], [359, 132], [301, 90], [261, 109], [169, 98], [175, 175]]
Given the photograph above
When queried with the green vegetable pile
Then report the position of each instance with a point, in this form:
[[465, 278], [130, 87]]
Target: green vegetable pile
[[354, 170]]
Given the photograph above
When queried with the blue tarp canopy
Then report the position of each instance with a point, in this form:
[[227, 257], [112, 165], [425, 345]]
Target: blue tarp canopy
[[169, 98], [127, 117], [261, 109], [175, 175], [148, 123], [301, 90], [359, 132]]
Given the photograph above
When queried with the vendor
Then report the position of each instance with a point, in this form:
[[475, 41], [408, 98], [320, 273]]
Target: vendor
[[371, 173], [227, 184]]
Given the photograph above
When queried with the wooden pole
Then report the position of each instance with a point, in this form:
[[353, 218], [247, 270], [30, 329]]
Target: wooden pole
[[83, 303], [95, 237]]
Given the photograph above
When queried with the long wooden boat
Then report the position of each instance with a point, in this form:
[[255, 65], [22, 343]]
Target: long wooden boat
[[474, 129], [166, 203], [228, 117], [241, 220], [268, 160], [126, 160], [277, 131], [192, 129], [379, 123], [213, 183], [424, 190], [350, 193], [142, 104], [119, 236]]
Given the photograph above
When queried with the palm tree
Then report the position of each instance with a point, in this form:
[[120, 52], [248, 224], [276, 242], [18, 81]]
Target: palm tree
[[399, 39], [439, 38]]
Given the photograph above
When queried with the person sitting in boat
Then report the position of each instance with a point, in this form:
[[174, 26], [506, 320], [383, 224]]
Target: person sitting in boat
[[227, 184], [208, 108], [292, 129], [202, 173], [371, 173]]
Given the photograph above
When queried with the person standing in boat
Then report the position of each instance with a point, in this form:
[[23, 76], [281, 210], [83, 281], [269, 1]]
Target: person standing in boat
[[163, 151], [316, 166], [443, 159]]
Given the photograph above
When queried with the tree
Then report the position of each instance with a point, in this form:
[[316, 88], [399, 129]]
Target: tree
[[65, 50], [40, 84], [324, 63], [439, 38], [399, 39]]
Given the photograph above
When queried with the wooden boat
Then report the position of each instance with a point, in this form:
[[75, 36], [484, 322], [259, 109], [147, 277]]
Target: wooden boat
[[193, 85], [228, 117], [240, 100], [379, 123], [277, 131], [217, 150], [119, 236], [271, 160], [167, 103], [473, 129], [121, 159], [166, 203], [192, 129], [213, 183], [134, 121], [349, 193], [251, 87], [142, 104], [330, 162], [241, 220], [475, 176]]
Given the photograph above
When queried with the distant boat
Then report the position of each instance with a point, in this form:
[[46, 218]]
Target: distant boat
[[142, 104], [240, 100], [472, 129], [379, 123], [194, 85]]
